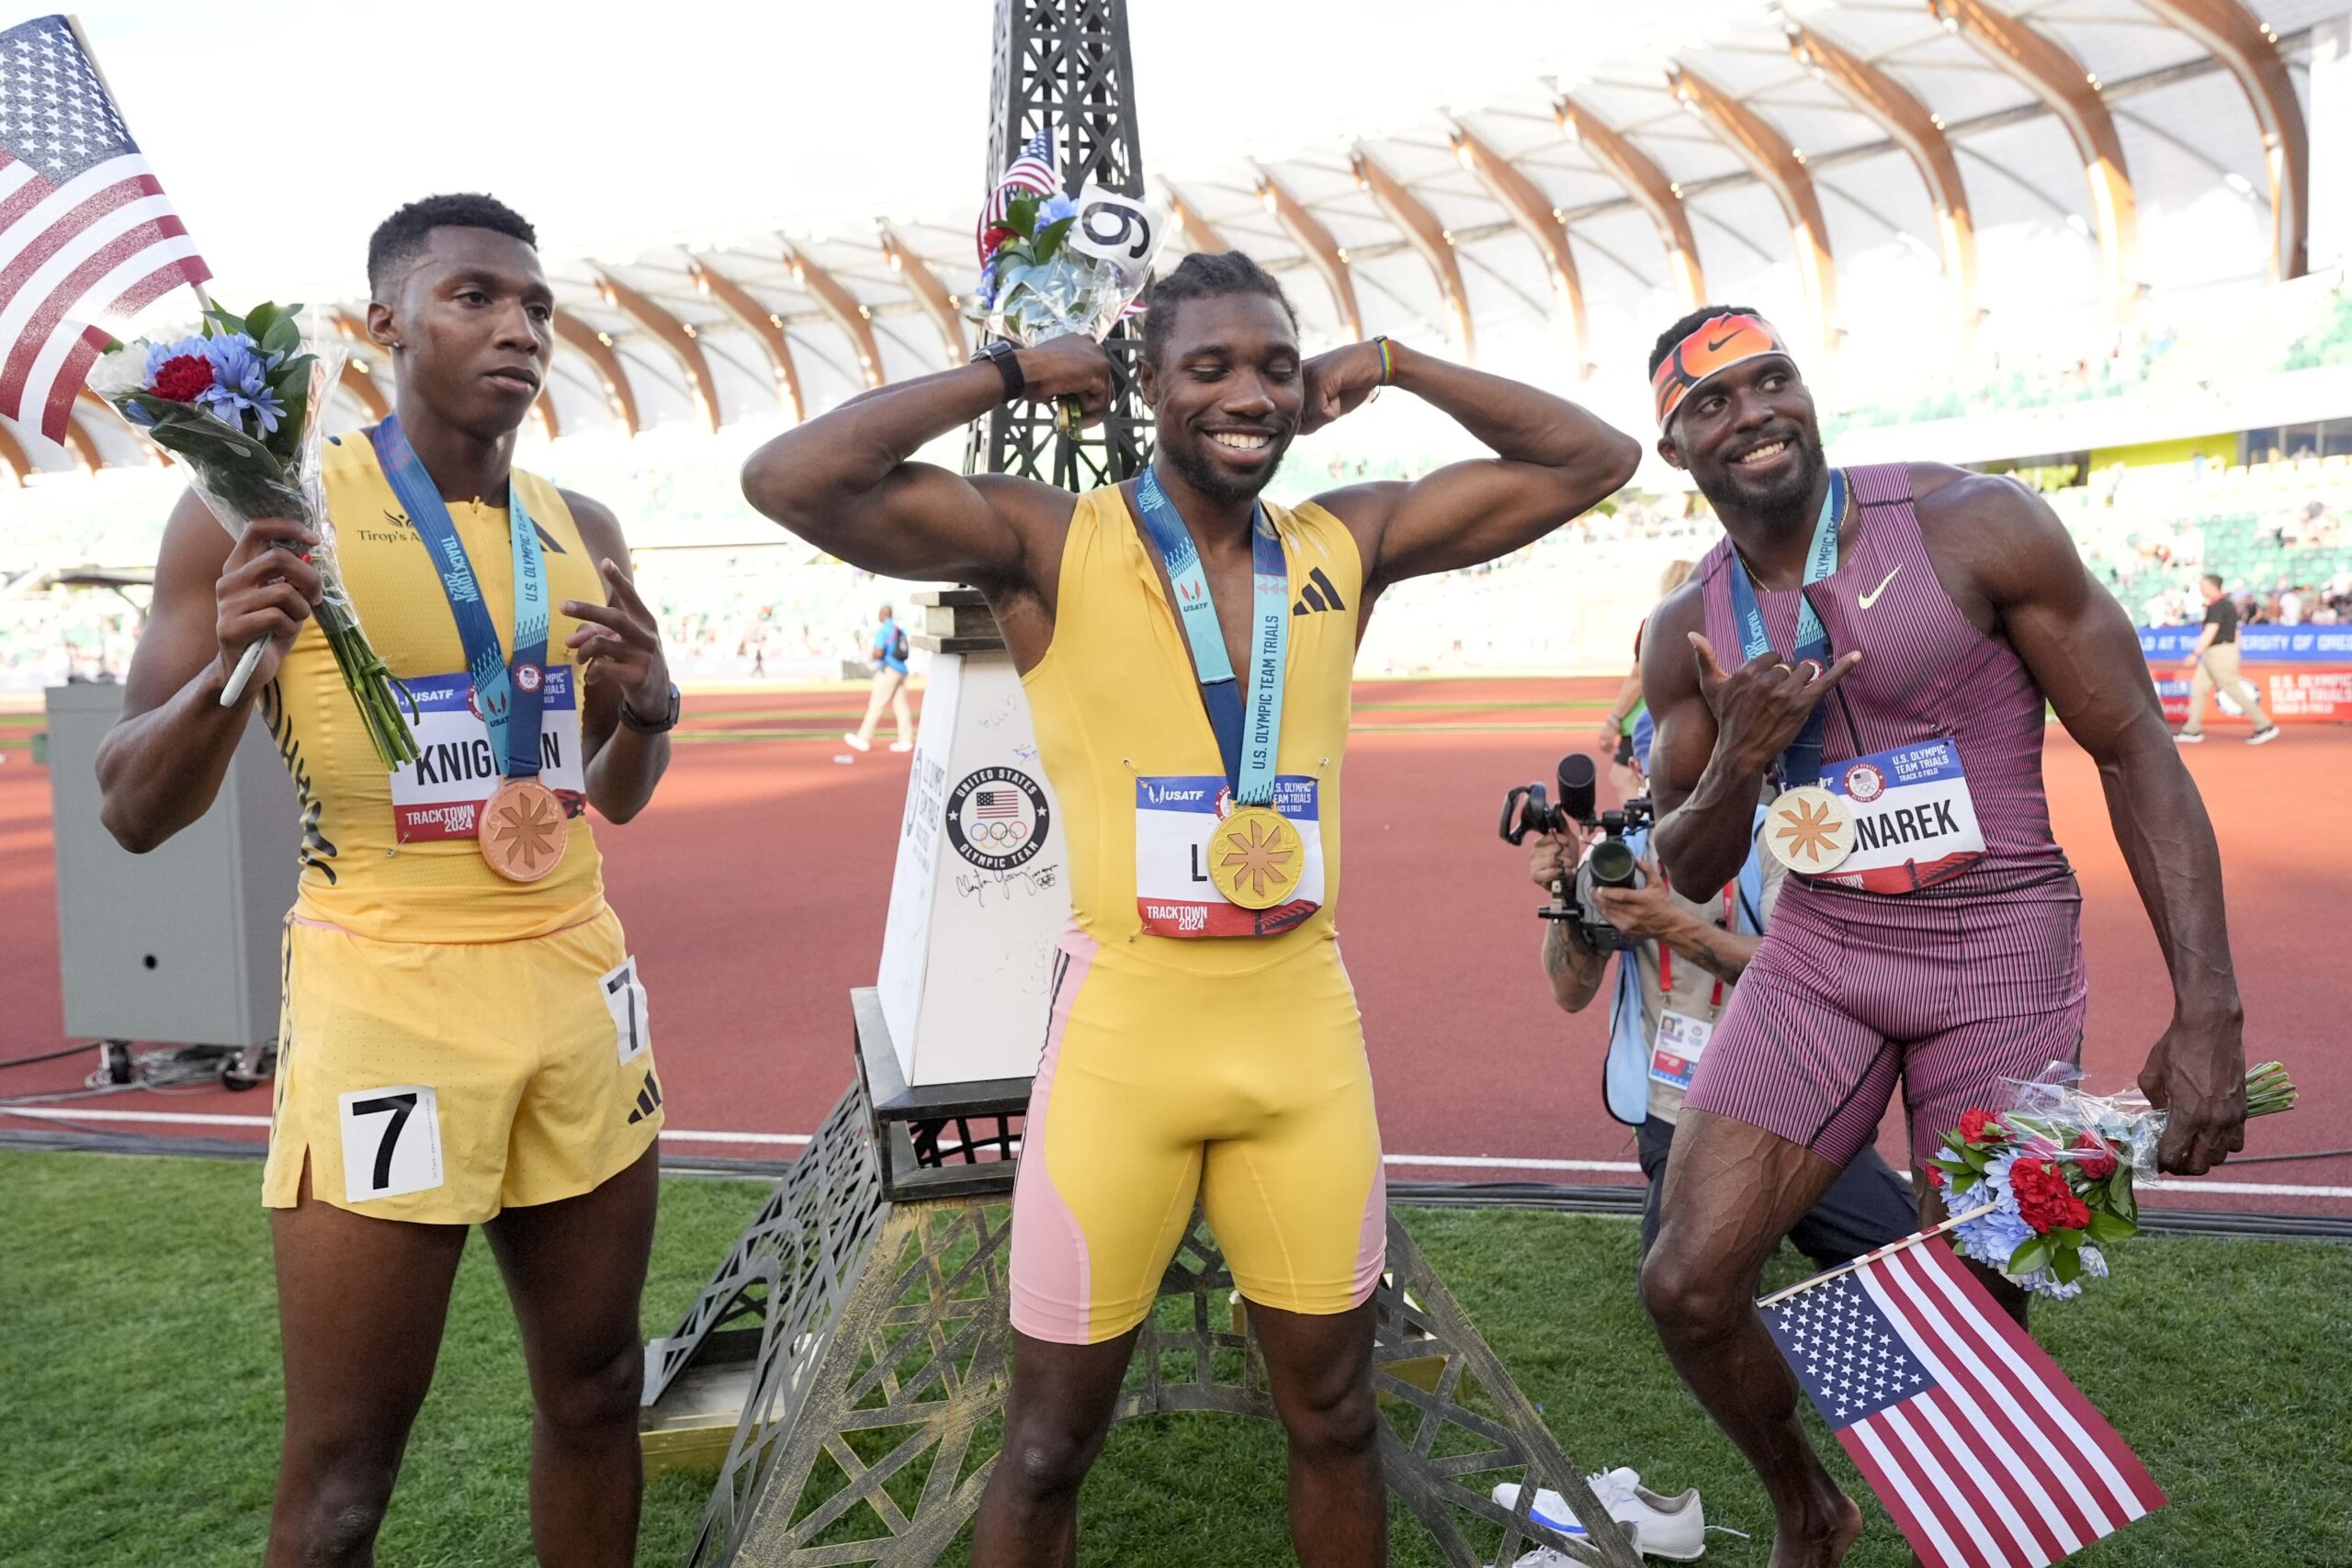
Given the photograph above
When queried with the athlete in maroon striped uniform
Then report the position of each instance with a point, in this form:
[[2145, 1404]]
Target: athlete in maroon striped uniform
[[1953, 607]]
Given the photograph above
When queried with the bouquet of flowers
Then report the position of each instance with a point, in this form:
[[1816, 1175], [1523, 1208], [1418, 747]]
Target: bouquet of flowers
[[1051, 266], [2038, 1191], [239, 403]]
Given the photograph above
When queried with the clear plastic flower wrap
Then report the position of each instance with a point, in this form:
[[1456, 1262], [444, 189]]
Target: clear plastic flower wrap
[[2039, 1189], [1052, 267], [239, 403]]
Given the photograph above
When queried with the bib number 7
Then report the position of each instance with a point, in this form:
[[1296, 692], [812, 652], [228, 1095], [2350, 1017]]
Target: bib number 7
[[391, 1142]]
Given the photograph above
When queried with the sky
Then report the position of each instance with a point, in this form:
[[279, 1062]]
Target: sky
[[284, 131]]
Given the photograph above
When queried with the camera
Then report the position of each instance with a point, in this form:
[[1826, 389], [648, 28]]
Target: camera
[[1610, 862]]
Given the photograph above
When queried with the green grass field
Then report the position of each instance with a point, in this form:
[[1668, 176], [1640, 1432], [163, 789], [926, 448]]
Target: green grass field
[[139, 1390]]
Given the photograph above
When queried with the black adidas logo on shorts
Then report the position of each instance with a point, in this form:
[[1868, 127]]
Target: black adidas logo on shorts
[[649, 1101]]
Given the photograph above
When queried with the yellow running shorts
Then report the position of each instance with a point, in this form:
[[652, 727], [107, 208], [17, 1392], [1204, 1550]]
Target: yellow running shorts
[[441, 1083]]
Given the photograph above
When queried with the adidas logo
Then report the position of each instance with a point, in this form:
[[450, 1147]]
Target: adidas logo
[[649, 1101], [1319, 595]]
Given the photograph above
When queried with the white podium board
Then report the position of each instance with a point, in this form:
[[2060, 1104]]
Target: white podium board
[[981, 889]]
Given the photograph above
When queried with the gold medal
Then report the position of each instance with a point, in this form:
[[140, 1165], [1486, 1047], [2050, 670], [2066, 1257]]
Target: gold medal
[[1256, 857], [522, 831], [1810, 830]]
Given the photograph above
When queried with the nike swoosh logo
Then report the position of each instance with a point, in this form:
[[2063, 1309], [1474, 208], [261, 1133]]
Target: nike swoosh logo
[[1716, 346], [1866, 600]]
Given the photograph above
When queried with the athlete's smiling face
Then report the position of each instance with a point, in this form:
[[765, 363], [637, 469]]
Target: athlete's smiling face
[[1227, 393], [1748, 436], [475, 323]]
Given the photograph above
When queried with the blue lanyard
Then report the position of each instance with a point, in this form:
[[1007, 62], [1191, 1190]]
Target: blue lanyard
[[1800, 763], [1249, 748], [509, 697]]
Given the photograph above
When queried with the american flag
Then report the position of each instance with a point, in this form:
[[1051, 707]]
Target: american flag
[[1032, 172], [996, 803], [1978, 1445], [83, 222]]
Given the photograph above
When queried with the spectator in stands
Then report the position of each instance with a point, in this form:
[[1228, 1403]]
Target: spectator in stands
[[886, 650], [2214, 662]]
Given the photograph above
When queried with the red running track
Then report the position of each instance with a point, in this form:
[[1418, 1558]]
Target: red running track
[[753, 893]]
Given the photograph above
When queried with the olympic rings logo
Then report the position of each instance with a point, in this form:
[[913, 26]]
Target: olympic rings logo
[[1001, 834]]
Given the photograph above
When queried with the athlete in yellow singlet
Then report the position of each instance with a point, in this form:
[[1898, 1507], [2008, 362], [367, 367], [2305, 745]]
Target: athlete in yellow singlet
[[1199, 1045], [456, 1047]]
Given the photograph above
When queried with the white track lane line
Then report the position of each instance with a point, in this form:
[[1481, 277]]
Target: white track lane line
[[1458, 1162]]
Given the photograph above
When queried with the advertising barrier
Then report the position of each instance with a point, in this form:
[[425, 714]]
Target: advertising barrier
[[2304, 674]]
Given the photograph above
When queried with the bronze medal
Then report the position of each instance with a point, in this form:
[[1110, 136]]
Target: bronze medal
[[522, 831]]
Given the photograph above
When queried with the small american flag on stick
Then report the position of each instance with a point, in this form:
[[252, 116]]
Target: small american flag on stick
[[1031, 174], [83, 221], [1978, 1445]]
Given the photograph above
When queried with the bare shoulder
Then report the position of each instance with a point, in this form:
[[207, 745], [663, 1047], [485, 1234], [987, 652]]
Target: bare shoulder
[[1364, 510], [1948, 498], [1669, 666], [2002, 537], [194, 542], [600, 530], [1039, 515]]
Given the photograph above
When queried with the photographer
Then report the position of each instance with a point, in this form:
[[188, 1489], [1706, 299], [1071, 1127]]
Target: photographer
[[1673, 982]]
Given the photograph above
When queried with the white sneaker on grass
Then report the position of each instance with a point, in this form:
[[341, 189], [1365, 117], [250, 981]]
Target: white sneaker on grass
[[856, 742], [1660, 1525]]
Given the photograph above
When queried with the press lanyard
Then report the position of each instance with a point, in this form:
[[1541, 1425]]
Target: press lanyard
[[1246, 742], [1800, 763], [510, 697], [1666, 953]]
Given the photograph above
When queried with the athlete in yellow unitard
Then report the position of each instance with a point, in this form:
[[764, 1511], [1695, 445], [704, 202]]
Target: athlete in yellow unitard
[[464, 1039], [1204, 1039]]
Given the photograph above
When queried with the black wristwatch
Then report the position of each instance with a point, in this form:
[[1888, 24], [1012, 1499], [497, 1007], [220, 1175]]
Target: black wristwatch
[[643, 726], [1006, 360]]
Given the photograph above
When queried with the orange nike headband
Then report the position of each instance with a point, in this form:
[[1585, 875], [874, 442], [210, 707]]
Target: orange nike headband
[[1712, 347]]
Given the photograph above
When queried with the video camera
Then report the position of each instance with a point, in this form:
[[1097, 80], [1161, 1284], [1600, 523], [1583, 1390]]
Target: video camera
[[1611, 862]]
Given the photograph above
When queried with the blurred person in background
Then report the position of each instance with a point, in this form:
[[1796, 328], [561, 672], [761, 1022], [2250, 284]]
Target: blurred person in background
[[1624, 736], [887, 651], [2213, 661]]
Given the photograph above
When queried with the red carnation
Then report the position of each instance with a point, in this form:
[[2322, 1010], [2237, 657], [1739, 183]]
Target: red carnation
[[2044, 1200], [2099, 1160], [1936, 1176], [996, 236], [1982, 1127], [182, 377]]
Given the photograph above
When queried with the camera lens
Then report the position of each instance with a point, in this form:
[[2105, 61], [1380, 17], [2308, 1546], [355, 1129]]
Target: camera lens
[[1613, 862]]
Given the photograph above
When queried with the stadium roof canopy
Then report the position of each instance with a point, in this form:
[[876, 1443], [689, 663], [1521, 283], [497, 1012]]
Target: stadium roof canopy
[[2027, 172]]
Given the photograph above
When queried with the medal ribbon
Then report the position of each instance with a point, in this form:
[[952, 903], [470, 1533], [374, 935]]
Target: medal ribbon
[[510, 707], [1800, 763], [1247, 746]]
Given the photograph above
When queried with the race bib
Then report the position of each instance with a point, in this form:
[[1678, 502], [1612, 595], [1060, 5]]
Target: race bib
[[1914, 824], [625, 999], [1174, 894], [1681, 1041], [440, 794], [391, 1141]]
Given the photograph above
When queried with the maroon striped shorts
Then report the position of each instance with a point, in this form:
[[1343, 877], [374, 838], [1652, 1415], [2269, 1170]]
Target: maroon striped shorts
[[1851, 991]]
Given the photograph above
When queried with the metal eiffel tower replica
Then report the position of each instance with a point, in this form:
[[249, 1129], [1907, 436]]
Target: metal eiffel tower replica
[[860, 1318]]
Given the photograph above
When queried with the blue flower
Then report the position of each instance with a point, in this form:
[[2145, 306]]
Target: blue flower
[[241, 383], [1055, 209], [1991, 1237]]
